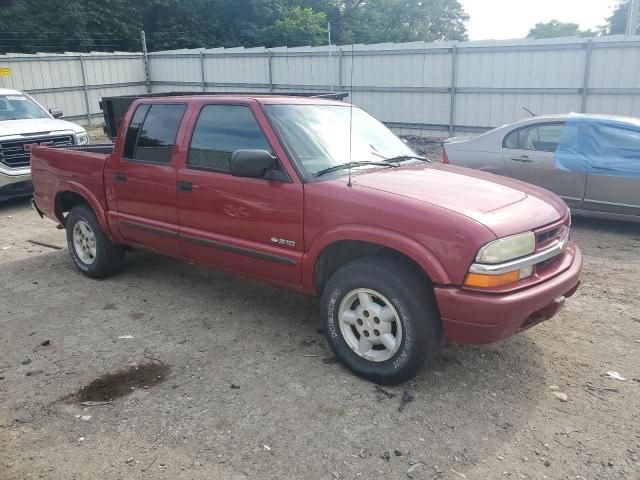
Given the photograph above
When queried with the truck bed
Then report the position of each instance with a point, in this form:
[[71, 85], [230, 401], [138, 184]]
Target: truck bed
[[77, 169]]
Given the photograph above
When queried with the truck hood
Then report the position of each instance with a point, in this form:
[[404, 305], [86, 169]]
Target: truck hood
[[36, 126], [503, 205]]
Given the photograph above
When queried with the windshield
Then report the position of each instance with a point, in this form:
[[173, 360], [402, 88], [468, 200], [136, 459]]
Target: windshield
[[318, 135], [18, 107]]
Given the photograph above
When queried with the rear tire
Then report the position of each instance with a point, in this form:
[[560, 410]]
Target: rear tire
[[380, 319], [91, 251]]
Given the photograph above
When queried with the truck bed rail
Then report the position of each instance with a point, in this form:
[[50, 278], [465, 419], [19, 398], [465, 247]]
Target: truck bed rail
[[103, 148], [115, 108]]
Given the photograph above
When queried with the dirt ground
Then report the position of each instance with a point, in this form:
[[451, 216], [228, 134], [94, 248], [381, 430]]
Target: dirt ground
[[238, 381]]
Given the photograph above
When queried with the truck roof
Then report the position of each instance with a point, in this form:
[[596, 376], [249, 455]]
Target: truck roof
[[264, 99], [9, 91]]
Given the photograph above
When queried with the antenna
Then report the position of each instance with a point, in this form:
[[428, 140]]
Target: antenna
[[350, 116], [529, 111], [330, 60]]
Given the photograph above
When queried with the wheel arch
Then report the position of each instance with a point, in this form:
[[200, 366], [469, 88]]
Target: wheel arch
[[341, 245], [70, 195]]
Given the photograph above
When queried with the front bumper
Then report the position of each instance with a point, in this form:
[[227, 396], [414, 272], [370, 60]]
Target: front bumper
[[15, 182], [479, 318]]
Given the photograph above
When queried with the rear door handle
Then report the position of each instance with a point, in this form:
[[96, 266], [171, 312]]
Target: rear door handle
[[184, 186], [121, 177]]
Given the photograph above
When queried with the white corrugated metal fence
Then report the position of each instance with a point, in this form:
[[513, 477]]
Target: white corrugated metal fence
[[430, 89]]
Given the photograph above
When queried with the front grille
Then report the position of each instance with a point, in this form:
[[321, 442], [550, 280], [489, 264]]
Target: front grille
[[547, 262], [14, 155]]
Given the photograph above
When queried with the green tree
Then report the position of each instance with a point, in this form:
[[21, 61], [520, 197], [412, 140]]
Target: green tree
[[409, 20], [376, 21], [297, 27], [105, 25], [617, 22], [554, 28]]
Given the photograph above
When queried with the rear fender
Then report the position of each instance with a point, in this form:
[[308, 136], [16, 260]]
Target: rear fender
[[91, 199], [383, 237]]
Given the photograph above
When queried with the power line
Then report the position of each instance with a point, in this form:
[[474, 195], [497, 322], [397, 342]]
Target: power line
[[40, 32]]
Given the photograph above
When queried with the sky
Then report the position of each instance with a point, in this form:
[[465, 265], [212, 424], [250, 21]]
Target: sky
[[507, 19]]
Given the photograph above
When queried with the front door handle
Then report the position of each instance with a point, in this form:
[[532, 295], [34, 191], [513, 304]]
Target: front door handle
[[121, 177], [184, 186], [523, 159]]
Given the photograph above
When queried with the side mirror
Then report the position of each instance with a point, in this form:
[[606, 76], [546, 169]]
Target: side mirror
[[55, 112], [252, 163]]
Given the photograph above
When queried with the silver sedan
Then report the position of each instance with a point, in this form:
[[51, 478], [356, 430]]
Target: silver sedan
[[591, 161]]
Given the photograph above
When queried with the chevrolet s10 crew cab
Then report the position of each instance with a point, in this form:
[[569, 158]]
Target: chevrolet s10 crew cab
[[320, 198]]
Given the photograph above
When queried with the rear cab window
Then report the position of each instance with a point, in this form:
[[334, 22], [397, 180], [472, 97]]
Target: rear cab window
[[152, 132]]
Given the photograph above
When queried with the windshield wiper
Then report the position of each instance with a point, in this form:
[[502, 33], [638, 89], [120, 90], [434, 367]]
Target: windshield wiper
[[402, 158], [343, 166]]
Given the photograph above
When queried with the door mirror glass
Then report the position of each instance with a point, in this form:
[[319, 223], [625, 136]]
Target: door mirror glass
[[55, 112], [252, 163]]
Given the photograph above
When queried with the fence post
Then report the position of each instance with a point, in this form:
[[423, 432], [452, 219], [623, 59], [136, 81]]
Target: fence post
[[85, 88], [270, 67], [147, 75], [340, 52], [632, 17], [587, 74], [452, 107], [202, 79]]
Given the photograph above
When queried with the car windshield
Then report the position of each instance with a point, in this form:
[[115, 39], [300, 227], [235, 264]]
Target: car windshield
[[19, 107], [318, 135]]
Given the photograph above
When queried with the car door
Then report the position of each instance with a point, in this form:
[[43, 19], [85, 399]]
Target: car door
[[529, 155], [145, 178], [613, 172], [248, 225]]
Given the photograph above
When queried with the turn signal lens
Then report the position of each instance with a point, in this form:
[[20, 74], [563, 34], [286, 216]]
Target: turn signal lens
[[480, 280]]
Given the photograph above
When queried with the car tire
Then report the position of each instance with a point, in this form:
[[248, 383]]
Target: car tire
[[91, 251], [384, 302]]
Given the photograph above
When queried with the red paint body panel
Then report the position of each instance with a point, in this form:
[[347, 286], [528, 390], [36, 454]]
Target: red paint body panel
[[69, 171], [334, 211], [494, 201], [474, 317], [438, 215]]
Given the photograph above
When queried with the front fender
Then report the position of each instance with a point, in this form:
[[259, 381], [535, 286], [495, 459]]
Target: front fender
[[91, 199], [380, 236]]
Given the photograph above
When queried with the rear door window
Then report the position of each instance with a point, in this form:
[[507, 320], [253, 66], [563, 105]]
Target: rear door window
[[133, 131], [152, 133], [541, 138], [219, 131]]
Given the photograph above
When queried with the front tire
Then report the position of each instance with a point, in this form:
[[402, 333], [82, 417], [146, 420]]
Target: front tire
[[380, 319], [91, 251]]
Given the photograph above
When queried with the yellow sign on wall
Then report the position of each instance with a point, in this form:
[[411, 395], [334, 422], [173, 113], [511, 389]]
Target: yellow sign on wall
[[5, 71]]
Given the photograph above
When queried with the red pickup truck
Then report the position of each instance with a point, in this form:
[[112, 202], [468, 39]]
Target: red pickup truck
[[320, 198]]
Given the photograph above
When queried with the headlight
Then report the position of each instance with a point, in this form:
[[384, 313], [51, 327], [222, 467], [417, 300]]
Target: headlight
[[82, 138], [497, 252], [508, 248]]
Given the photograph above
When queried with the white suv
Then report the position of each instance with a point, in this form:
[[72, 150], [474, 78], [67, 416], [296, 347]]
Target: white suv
[[24, 123]]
